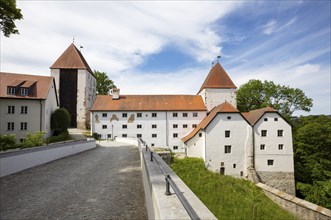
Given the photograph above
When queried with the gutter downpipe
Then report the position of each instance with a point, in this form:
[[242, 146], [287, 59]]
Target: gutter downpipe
[[41, 110], [253, 131], [167, 127]]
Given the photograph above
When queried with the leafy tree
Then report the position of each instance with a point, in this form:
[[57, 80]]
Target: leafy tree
[[104, 84], [312, 156], [60, 121], [257, 94], [9, 13]]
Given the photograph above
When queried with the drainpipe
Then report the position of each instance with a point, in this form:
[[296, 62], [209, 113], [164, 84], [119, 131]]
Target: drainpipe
[[253, 147], [41, 115], [167, 127]]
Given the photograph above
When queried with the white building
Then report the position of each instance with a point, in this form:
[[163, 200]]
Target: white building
[[26, 104], [76, 85]]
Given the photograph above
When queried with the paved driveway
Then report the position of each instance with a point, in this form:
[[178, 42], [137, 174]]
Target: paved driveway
[[103, 183]]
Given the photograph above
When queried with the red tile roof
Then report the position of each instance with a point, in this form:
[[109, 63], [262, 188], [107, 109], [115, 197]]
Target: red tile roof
[[253, 116], [222, 108], [149, 103], [71, 58], [218, 78], [41, 89]]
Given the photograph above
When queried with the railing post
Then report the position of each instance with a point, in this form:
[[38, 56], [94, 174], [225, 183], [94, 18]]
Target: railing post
[[167, 192], [151, 155]]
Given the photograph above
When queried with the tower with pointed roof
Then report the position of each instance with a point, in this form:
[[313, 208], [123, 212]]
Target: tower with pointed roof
[[218, 88], [76, 85]]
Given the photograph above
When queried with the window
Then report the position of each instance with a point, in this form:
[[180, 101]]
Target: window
[[124, 115], [200, 134], [194, 125], [174, 126], [24, 91], [280, 133], [154, 115], [184, 125], [152, 144], [227, 134], [175, 147], [108, 135], [241, 173], [139, 115], [264, 133], [124, 135], [265, 119], [280, 146], [195, 114], [175, 114], [184, 114], [11, 109], [11, 91], [234, 165], [270, 162], [24, 109], [139, 126], [124, 126], [10, 126], [227, 149], [104, 115], [275, 119], [262, 146], [229, 117], [154, 126], [139, 135], [104, 126], [174, 135], [154, 135], [22, 140], [24, 126]]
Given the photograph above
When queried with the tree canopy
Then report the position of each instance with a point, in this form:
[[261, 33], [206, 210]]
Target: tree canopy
[[60, 121], [104, 84], [8, 14], [257, 94]]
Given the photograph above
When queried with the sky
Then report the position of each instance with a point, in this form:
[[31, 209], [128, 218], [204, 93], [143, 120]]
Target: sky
[[167, 47]]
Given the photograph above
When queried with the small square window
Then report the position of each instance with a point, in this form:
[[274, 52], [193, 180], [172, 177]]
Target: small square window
[[154, 126], [262, 146], [104, 126], [104, 115], [124, 135], [24, 126], [139, 135], [195, 114], [175, 147], [175, 135], [264, 133], [174, 126], [154, 115], [229, 117], [265, 119], [10, 126], [124, 126], [270, 162], [11, 91], [227, 134], [175, 114], [139, 126], [184, 125], [200, 134], [11, 109], [139, 115], [24, 91], [194, 125], [280, 146], [184, 114], [280, 133], [275, 119], [227, 149], [234, 165], [152, 144], [124, 115], [154, 135], [24, 109]]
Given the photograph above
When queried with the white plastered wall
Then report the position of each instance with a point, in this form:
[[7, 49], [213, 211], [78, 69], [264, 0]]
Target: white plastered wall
[[215, 97], [196, 146]]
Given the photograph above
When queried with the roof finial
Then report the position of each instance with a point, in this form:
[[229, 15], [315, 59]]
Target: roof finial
[[218, 58], [73, 39]]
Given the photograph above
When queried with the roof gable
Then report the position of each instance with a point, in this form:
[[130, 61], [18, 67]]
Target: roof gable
[[253, 116], [71, 58], [218, 79]]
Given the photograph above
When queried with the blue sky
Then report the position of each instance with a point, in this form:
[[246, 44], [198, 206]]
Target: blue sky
[[167, 47]]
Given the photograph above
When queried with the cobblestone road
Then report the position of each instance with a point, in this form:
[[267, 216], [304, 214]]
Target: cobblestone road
[[103, 183]]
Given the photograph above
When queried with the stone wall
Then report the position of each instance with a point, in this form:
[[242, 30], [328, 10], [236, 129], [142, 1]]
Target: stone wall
[[300, 208], [283, 181]]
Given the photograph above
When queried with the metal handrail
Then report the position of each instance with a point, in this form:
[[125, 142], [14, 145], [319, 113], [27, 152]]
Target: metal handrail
[[169, 182]]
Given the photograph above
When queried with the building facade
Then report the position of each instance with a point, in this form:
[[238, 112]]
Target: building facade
[[26, 104]]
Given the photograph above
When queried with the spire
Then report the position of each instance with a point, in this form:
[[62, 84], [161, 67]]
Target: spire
[[71, 58], [218, 79]]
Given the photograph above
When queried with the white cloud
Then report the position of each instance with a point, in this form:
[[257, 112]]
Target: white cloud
[[272, 26], [307, 68]]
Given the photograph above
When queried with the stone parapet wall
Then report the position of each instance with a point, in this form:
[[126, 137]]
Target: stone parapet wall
[[300, 208], [283, 181]]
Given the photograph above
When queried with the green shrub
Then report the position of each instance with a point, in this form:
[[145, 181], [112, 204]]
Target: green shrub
[[33, 139], [61, 137], [96, 136], [8, 142], [60, 121]]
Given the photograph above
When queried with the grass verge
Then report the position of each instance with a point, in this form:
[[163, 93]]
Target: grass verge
[[225, 196]]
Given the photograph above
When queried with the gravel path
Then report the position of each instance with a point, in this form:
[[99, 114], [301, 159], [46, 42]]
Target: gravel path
[[103, 183]]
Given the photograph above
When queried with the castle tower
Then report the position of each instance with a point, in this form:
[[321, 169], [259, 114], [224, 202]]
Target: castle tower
[[76, 85], [218, 88]]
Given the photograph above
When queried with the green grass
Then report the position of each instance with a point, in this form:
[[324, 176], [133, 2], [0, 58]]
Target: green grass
[[225, 196]]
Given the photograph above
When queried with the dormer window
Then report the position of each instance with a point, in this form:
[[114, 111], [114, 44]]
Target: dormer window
[[11, 91], [24, 91]]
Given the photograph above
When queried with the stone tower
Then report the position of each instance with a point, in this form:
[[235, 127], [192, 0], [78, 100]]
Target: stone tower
[[218, 88], [76, 86]]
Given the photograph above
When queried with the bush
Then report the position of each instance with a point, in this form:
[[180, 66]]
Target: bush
[[60, 121], [61, 137], [96, 136], [33, 139], [8, 142]]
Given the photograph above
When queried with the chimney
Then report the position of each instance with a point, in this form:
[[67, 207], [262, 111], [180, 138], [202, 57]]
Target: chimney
[[115, 92]]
